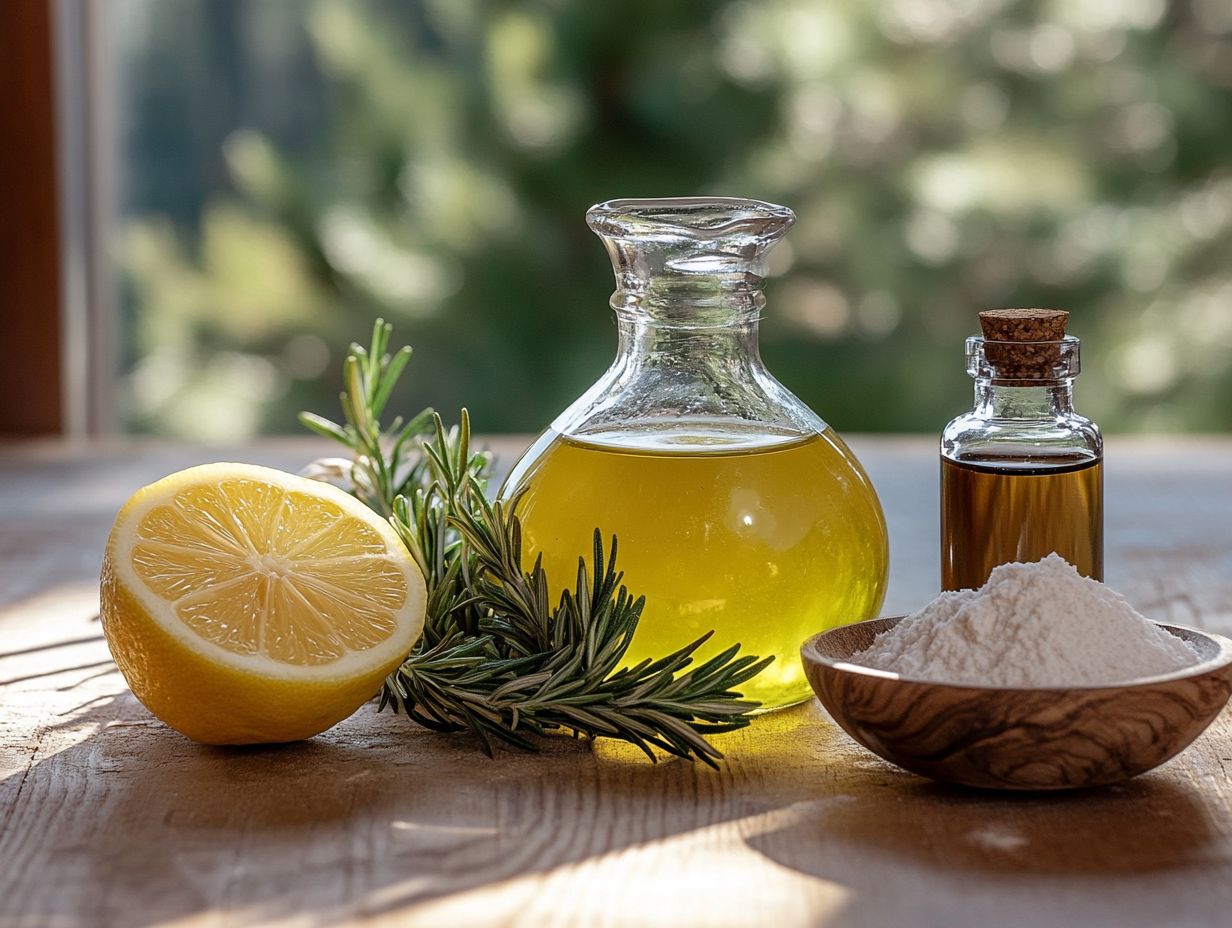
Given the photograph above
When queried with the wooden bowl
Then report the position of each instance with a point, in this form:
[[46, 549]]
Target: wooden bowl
[[1018, 738]]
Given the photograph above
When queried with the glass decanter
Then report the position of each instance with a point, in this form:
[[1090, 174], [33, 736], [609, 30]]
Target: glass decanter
[[737, 509]]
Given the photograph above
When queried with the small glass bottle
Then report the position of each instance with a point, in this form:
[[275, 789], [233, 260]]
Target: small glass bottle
[[737, 509], [1021, 473]]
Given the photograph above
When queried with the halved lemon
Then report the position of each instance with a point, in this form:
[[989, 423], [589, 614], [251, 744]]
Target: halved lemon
[[245, 605]]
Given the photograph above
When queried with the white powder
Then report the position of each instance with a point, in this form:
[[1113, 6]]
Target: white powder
[[1041, 624]]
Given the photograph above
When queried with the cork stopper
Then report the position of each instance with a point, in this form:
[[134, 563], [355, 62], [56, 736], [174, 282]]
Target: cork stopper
[[1022, 343]]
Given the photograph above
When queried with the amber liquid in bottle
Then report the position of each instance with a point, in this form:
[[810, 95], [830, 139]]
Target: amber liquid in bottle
[[995, 511]]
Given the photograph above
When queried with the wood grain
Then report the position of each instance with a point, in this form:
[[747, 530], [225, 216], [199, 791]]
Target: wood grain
[[1043, 738], [109, 819]]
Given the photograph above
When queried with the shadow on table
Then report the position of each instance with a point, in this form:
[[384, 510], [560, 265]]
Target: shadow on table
[[1146, 825], [908, 851], [136, 825]]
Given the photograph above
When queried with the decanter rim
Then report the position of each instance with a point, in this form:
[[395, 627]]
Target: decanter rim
[[696, 218]]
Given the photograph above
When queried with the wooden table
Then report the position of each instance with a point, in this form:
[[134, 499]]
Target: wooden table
[[109, 818]]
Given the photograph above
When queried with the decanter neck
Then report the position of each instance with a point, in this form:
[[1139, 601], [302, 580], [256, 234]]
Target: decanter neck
[[687, 305], [688, 298], [726, 348], [697, 262]]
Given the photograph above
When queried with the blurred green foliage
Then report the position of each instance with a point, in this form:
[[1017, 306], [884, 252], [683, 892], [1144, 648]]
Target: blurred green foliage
[[293, 169]]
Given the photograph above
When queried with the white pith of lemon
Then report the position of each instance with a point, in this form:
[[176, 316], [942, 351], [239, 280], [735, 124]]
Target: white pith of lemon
[[244, 604]]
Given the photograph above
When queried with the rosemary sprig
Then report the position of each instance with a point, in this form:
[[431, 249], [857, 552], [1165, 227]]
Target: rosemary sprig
[[499, 656]]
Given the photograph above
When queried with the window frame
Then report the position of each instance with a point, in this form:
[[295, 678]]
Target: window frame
[[86, 160]]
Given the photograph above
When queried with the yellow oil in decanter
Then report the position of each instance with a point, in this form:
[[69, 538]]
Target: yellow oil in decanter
[[763, 538]]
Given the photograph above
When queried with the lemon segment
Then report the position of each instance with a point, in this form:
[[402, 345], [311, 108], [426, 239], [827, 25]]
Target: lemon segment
[[243, 604]]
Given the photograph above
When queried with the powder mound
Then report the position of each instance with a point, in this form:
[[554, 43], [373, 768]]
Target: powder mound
[[1030, 625]]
